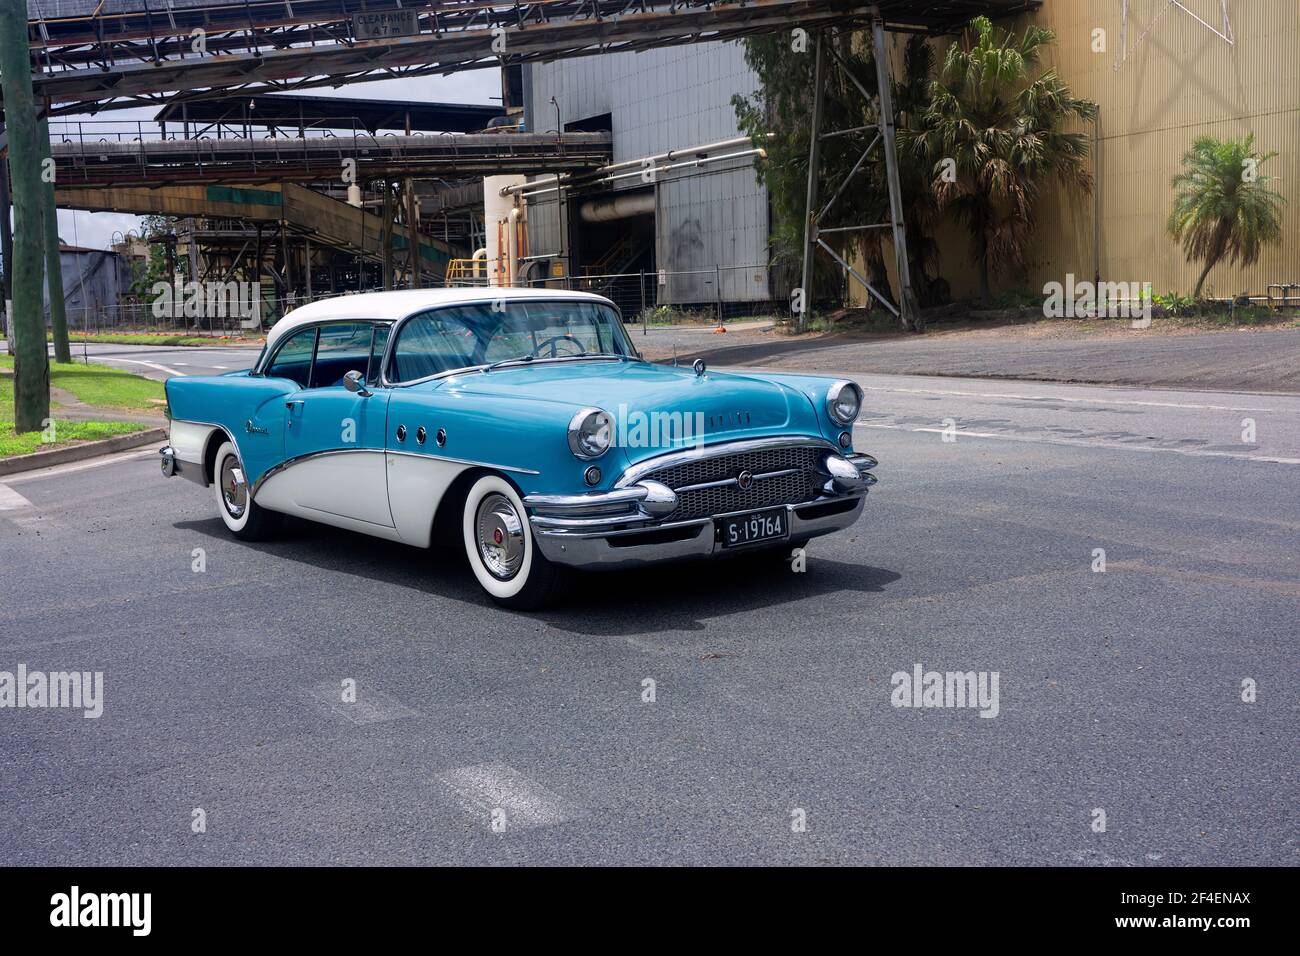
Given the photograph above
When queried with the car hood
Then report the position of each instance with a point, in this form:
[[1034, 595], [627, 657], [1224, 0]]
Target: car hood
[[716, 406]]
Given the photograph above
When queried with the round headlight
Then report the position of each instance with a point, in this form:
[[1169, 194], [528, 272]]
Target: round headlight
[[843, 402], [590, 433]]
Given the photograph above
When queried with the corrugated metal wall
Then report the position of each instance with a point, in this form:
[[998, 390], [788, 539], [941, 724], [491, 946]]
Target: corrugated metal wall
[[1181, 82], [660, 100]]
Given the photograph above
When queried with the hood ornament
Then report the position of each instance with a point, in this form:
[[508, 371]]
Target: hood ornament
[[699, 366]]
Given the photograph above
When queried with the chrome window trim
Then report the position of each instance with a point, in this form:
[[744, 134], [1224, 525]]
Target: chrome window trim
[[635, 356], [299, 459], [267, 359], [671, 459]]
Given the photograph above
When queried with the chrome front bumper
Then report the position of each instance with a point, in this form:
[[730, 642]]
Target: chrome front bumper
[[626, 527]]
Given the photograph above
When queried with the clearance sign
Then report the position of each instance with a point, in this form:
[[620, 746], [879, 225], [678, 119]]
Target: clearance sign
[[386, 23]]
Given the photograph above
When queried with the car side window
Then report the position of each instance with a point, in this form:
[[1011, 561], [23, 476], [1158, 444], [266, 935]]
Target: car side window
[[293, 360], [343, 347]]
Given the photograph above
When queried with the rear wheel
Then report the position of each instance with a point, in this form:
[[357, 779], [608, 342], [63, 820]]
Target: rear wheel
[[244, 518], [501, 549]]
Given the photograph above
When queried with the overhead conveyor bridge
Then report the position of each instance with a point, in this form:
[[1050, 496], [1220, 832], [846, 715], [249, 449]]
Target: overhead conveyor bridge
[[118, 53]]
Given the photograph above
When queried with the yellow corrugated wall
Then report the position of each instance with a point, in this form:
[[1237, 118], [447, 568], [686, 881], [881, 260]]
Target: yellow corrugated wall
[[1180, 82]]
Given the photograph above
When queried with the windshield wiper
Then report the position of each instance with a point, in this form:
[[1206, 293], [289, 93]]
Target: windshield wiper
[[525, 359], [530, 359]]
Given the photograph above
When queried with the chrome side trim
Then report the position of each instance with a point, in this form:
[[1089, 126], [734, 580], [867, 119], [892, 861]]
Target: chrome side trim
[[299, 459], [639, 470]]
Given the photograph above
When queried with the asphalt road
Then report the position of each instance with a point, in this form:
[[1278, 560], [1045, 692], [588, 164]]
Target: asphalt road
[[1259, 360], [1119, 691]]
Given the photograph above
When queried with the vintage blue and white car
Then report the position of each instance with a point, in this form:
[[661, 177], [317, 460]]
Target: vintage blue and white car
[[523, 422]]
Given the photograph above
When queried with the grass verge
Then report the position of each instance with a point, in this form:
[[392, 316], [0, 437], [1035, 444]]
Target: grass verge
[[161, 338], [100, 385], [93, 384]]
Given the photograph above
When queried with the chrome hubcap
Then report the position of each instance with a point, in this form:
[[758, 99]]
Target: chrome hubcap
[[500, 537], [234, 491]]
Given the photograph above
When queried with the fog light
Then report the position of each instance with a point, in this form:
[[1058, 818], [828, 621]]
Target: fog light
[[845, 439], [592, 475]]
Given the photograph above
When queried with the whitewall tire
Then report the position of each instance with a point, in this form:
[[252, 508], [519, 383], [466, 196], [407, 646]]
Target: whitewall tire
[[243, 517], [501, 549]]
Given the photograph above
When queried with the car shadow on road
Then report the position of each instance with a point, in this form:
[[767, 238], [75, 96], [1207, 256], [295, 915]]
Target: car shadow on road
[[682, 597], [658, 598]]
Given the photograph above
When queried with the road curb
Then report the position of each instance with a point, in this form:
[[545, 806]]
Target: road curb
[[90, 449]]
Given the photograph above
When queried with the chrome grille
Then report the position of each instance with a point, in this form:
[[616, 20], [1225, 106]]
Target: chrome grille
[[765, 492]]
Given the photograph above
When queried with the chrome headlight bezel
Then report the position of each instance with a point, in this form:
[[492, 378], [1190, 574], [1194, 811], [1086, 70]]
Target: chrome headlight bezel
[[834, 399], [588, 424]]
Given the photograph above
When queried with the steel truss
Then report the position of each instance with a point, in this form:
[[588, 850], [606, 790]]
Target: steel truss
[[884, 131], [123, 59]]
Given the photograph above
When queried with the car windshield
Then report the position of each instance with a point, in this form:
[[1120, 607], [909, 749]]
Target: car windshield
[[501, 332]]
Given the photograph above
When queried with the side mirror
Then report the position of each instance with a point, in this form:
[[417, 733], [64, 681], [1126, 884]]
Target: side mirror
[[355, 381]]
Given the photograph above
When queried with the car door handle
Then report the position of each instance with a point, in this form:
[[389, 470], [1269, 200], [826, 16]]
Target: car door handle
[[297, 401]]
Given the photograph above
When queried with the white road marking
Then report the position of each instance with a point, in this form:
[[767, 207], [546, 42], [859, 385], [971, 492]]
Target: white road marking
[[485, 788], [222, 367], [57, 470], [1059, 398], [153, 365], [1115, 446], [11, 500]]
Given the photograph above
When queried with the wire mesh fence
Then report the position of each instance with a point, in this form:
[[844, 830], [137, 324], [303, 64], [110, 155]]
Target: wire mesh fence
[[646, 299]]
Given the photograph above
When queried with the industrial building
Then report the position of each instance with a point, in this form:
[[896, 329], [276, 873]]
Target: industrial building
[[697, 225]]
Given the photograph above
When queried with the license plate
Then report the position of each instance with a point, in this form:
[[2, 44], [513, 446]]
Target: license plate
[[753, 527]]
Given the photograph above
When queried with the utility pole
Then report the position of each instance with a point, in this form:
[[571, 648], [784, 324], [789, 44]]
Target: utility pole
[[53, 263], [31, 364], [6, 252]]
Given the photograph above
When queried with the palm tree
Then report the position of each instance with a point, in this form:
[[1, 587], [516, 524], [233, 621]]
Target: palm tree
[[1223, 208], [992, 135]]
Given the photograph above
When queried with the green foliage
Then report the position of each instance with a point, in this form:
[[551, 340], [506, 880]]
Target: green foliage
[[155, 269], [997, 133], [1224, 208], [1175, 304], [1019, 297]]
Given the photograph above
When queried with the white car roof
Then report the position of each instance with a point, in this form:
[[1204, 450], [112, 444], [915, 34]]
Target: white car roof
[[398, 305]]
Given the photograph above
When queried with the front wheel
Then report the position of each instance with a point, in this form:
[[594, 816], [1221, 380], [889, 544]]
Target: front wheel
[[244, 518], [501, 549]]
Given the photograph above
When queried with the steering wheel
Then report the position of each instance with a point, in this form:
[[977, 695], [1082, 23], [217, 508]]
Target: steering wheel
[[554, 342]]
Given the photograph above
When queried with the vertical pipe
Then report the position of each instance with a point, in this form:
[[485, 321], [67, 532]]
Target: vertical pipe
[[814, 161], [413, 232], [388, 236]]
